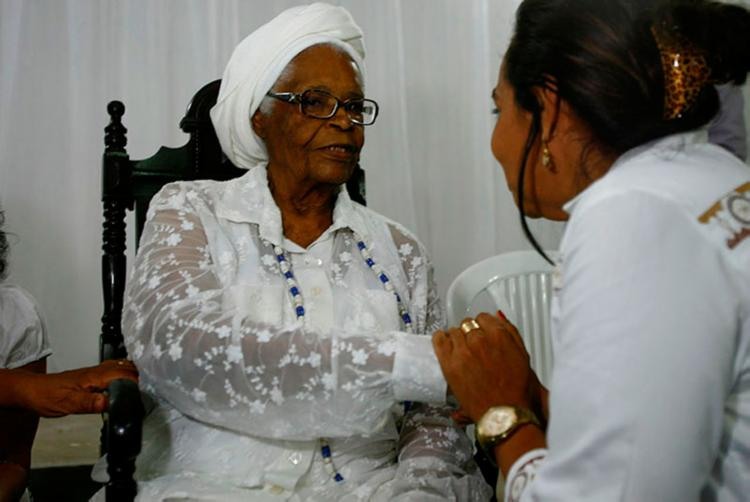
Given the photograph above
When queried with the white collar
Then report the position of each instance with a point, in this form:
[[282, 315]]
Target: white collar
[[248, 199], [667, 145]]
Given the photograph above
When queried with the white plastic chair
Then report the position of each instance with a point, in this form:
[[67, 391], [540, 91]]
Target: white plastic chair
[[518, 283]]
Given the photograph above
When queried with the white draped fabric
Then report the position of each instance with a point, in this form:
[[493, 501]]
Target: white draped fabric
[[431, 66]]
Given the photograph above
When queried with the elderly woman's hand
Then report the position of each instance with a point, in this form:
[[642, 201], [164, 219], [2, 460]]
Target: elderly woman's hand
[[489, 366]]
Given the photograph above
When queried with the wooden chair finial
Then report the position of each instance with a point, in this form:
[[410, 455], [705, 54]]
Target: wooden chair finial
[[115, 137]]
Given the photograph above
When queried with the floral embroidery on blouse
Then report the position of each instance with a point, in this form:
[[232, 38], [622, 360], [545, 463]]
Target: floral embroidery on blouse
[[210, 325]]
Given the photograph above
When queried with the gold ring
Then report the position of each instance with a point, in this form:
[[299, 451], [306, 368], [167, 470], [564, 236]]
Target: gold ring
[[469, 325]]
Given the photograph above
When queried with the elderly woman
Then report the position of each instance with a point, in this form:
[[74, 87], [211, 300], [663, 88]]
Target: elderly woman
[[602, 125], [275, 322]]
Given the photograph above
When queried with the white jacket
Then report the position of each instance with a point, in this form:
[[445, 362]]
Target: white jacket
[[650, 393]]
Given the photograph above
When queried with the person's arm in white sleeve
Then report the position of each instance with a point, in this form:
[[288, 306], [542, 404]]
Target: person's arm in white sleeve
[[219, 367], [643, 358], [435, 456]]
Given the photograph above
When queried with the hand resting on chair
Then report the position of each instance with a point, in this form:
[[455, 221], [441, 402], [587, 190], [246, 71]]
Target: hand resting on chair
[[69, 392]]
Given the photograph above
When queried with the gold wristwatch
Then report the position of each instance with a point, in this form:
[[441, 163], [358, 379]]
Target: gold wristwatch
[[498, 423]]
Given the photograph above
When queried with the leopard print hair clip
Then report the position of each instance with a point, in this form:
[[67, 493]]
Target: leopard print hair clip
[[686, 72]]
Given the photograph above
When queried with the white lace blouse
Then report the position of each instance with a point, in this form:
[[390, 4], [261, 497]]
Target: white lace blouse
[[244, 391]]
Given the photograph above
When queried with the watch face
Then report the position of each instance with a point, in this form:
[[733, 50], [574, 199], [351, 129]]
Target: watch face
[[499, 421]]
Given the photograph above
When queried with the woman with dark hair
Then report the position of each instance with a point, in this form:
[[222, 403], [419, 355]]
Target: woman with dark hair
[[602, 106]]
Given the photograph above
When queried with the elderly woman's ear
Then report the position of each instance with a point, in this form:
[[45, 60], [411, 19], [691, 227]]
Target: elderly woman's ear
[[259, 124]]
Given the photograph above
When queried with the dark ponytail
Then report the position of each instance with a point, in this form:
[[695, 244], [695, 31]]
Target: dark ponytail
[[603, 60]]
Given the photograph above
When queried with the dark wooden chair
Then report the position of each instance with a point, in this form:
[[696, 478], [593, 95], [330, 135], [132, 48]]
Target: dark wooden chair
[[130, 185]]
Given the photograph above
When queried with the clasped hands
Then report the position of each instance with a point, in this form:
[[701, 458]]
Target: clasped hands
[[486, 364]]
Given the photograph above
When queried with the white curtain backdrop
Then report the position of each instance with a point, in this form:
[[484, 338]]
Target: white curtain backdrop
[[431, 65]]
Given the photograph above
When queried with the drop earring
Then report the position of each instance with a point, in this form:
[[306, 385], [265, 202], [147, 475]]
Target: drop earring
[[545, 156], [547, 161]]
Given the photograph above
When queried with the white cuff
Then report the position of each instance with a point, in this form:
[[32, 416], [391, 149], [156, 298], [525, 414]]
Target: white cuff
[[416, 371], [521, 474]]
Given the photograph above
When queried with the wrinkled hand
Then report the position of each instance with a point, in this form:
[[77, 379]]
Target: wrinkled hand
[[488, 367], [75, 391]]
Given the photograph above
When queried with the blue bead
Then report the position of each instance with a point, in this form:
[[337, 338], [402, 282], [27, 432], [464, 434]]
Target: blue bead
[[280, 257], [398, 298], [326, 451], [338, 478], [361, 245], [406, 318], [288, 275], [383, 278], [300, 311], [369, 262], [294, 291]]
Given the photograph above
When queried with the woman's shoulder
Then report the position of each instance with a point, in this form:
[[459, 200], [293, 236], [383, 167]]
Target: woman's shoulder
[[688, 175], [182, 195], [15, 298], [698, 194], [23, 335]]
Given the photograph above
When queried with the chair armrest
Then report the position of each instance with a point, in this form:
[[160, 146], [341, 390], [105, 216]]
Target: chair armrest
[[124, 428]]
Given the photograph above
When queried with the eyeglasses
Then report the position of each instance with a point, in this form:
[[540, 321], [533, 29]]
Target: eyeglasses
[[323, 105]]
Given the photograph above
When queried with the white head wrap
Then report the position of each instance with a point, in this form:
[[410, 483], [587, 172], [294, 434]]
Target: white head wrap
[[259, 59]]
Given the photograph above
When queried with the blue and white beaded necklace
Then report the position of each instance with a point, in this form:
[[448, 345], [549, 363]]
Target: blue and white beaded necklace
[[299, 310]]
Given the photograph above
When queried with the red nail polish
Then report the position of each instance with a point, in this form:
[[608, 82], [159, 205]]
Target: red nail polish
[[501, 315]]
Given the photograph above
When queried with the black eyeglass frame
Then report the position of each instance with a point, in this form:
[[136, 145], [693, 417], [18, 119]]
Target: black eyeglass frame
[[297, 97]]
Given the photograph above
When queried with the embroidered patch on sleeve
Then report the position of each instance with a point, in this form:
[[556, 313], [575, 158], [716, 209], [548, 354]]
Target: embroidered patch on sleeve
[[732, 214]]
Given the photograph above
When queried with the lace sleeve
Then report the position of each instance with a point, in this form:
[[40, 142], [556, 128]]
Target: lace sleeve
[[435, 454], [220, 368]]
